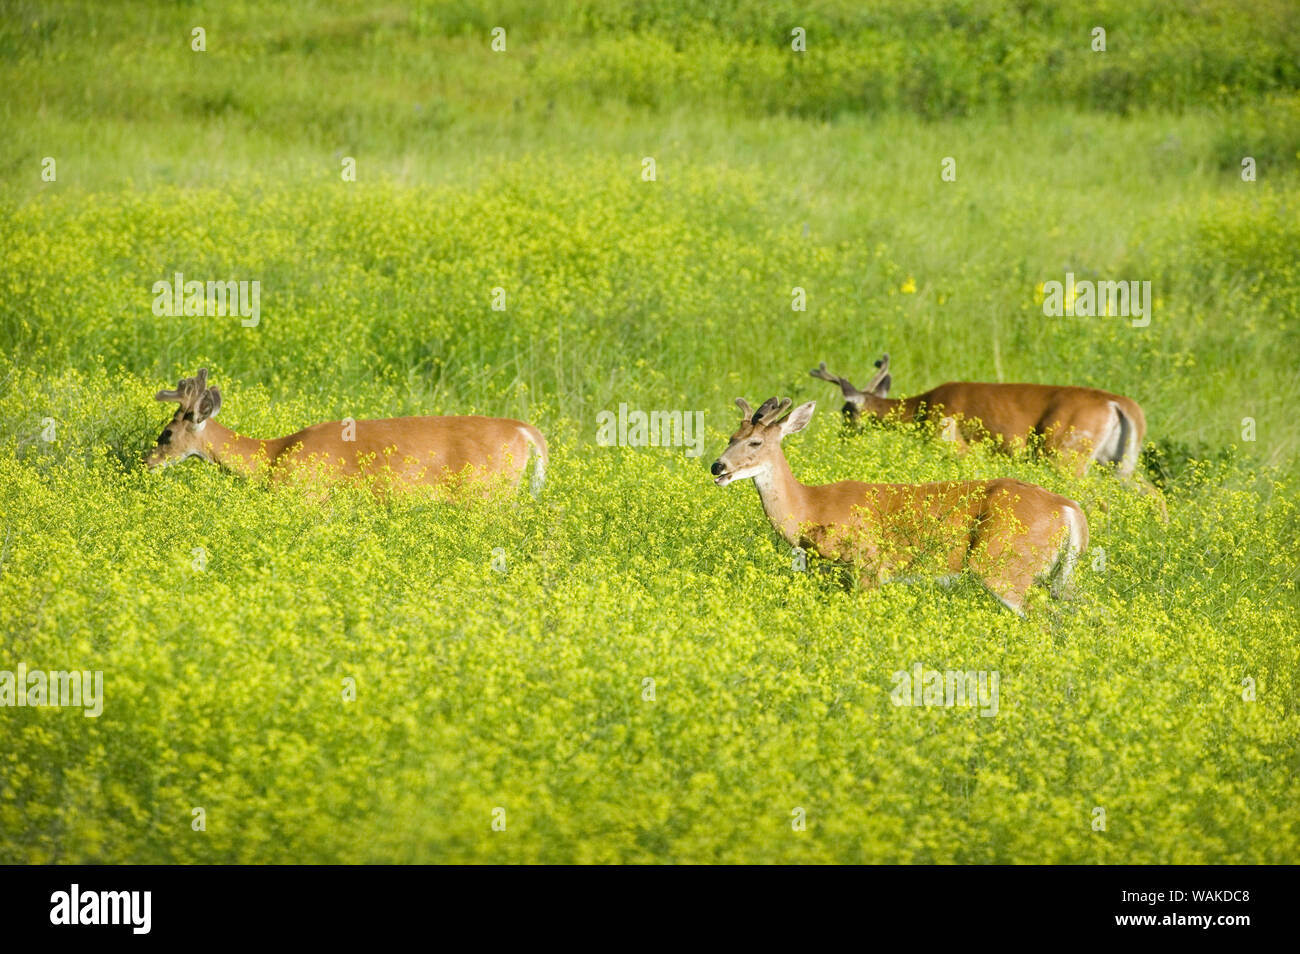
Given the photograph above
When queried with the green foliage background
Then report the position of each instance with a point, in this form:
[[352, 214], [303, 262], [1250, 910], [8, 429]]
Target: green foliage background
[[479, 690]]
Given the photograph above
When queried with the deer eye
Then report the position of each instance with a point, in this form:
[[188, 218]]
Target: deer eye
[[755, 443]]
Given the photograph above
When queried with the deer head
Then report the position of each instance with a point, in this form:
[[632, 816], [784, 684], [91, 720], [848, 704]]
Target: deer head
[[757, 444], [855, 401], [183, 435]]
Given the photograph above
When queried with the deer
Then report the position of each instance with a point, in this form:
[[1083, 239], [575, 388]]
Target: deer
[[1076, 426], [451, 452], [1008, 534]]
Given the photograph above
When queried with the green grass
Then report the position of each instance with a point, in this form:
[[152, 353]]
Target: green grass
[[479, 690]]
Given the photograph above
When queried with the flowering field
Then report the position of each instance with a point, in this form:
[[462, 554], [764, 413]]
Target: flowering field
[[632, 667]]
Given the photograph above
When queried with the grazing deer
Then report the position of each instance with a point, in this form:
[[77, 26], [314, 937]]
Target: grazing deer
[[1007, 533], [1080, 424], [443, 451]]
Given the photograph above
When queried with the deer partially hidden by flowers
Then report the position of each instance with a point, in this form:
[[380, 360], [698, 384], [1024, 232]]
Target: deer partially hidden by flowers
[[469, 452], [1007, 533], [1073, 425]]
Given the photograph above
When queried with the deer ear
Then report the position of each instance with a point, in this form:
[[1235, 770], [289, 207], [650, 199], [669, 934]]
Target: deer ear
[[882, 389], [798, 418], [209, 404]]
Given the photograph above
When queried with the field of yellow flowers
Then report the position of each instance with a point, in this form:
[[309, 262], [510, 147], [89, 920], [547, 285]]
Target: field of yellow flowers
[[632, 668]]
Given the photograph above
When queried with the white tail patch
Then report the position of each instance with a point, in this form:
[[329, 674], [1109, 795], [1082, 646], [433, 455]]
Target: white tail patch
[[1132, 449], [1120, 444], [539, 476], [1071, 547], [538, 445]]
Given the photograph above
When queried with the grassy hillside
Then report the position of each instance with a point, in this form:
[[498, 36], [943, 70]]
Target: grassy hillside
[[228, 617]]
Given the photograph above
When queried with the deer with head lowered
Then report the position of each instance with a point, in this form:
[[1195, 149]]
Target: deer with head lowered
[[454, 452], [1007, 533], [1080, 425]]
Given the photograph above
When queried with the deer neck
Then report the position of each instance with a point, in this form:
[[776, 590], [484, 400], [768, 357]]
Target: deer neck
[[243, 455], [782, 497]]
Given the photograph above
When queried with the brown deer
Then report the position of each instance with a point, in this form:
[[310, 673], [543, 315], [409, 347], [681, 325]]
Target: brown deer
[[451, 452], [1081, 424], [1007, 533], [1074, 425]]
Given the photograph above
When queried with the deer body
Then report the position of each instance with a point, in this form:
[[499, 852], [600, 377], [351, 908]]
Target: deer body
[[1006, 532], [411, 451], [1079, 424]]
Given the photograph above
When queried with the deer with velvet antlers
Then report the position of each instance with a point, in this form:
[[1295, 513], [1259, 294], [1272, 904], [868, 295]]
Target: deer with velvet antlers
[[447, 452], [1080, 425], [1007, 533]]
